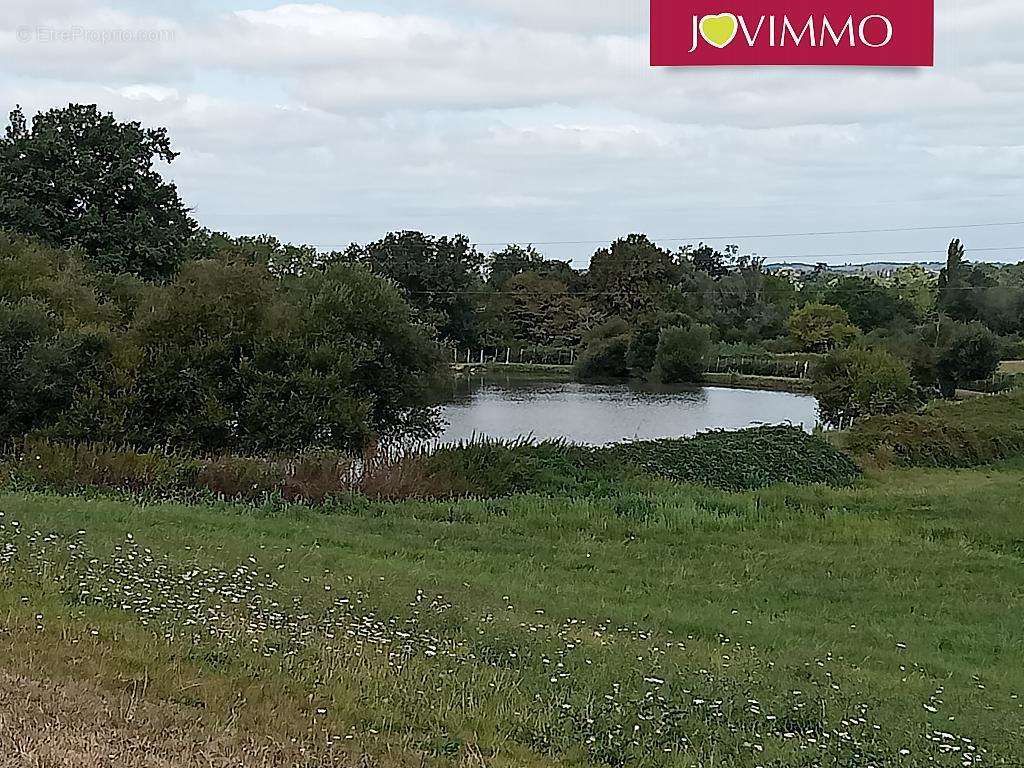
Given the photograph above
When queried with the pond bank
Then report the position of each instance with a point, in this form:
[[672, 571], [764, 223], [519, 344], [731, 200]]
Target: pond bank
[[522, 370], [564, 372], [765, 383]]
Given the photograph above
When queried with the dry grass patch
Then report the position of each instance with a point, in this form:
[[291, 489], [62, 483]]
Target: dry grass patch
[[71, 724]]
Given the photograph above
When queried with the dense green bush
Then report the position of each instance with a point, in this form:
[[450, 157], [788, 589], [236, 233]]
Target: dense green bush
[[682, 355], [817, 327], [946, 355], [643, 344], [665, 347], [971, 353], [965, 434], [604, 359], [748, 459], [862, 381], [606, 354], [227, 356], [490, 468]]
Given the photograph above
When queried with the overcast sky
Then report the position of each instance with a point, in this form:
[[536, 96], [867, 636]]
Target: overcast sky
[[540, 120]]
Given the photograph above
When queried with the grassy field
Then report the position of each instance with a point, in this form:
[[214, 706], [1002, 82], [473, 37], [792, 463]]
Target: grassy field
[[878, 625], [1012, 366]]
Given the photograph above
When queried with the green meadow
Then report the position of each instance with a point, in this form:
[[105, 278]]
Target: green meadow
[[663, 625]]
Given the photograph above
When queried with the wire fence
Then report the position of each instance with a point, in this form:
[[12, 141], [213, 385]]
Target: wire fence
[[471, 356], [1000, 382], [566, 356], [763, 366]]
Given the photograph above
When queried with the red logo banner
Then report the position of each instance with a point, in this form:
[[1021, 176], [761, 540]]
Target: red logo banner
[[861, 33]]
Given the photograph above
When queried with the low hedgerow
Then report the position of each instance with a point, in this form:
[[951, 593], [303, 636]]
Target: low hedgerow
[[966, 434], [744, 460]]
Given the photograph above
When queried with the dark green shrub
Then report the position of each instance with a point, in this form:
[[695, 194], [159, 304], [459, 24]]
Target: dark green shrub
[[861, 381], [489, 468], [970, 354], [643, 346], [967, 434], [226, 357], [604, 359], [682, 355]]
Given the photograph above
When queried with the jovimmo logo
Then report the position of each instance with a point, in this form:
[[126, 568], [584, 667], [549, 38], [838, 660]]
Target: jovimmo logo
[[872, 33]]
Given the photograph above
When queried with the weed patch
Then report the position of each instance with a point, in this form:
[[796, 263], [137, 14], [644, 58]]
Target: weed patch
[[745, 460]]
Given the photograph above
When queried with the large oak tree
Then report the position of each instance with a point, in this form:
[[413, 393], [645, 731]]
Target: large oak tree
[[79, 178]]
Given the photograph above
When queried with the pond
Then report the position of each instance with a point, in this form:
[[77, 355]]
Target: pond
[[507, 407]]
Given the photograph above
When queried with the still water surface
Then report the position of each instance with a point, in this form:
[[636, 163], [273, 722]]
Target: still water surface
[[504, 407]]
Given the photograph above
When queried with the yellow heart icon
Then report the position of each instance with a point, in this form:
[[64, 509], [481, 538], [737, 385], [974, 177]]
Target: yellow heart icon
[[719, 30]]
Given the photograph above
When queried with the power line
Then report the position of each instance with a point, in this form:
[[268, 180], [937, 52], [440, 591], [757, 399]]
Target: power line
[[896, 253], [925, 252], [785, 234], [762, 290], [754, 236]]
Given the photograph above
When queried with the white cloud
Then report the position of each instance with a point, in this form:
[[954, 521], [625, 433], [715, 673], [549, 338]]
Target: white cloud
[[533, 118], [621, 16]]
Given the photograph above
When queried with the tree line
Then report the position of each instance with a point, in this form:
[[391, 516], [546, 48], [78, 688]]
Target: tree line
[[122, 318]]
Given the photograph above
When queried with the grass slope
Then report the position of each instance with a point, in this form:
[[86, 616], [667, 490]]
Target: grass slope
[[676, 625], [944, 433]]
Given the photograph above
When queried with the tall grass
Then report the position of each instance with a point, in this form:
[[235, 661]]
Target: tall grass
[[479, 468], [312, 477]]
